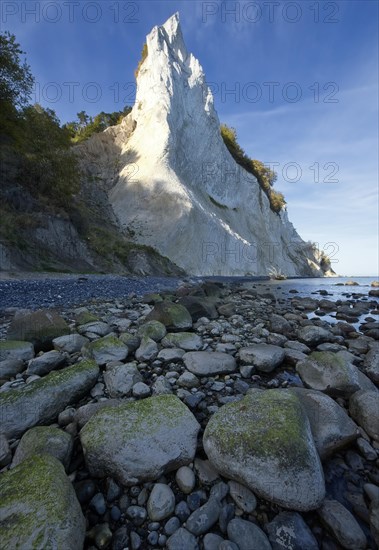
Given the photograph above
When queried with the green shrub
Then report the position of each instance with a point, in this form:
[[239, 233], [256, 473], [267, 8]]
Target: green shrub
[[277, 200], [265, 176], [86, 126], [49, 168], [143, 57]]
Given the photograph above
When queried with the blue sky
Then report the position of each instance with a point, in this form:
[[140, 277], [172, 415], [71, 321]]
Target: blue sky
[[298, 80]]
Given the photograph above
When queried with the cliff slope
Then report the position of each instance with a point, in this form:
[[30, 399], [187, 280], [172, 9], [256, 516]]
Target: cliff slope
[[173, 184]]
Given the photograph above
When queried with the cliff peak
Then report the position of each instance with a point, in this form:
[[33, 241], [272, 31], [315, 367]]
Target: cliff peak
[[185, 195]]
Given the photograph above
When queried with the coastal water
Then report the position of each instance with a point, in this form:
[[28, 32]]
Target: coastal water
[[332, 289], [335, 287]]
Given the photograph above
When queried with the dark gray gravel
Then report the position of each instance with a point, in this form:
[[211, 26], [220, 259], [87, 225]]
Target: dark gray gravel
[[69, 290]]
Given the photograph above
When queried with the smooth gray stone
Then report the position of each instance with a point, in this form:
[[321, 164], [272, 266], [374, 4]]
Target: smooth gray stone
[[289, 530], [202, 519], [182, 540], [161, 503], [247, 535]]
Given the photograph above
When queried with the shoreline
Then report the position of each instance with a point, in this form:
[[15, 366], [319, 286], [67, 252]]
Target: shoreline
[[136, 358]]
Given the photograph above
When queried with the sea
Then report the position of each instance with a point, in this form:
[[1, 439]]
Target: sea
[[335, 287]]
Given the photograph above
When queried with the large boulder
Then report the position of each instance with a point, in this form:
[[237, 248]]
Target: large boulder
[[371, 364], [247, 535], [39, 327], [11, 367], [200, 306], [152, 329], [39, 508], [288, 531], [312, 335], [173, 316], [139, 441], [16, 350], [329, 372], [45, 440], [331, 426], [364, 408], [206, 363], [343, 525], [280, 325], [265, 442], [107, 349], [41, 401], [120, 379], [265, 357], [72, 343], [188, 341], [45, 363]]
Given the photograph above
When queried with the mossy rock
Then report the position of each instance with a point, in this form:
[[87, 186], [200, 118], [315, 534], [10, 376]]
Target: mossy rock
[[265, 442], [85, 317], [132, 341], [152, 329], [106, 349], [41, 401], [39, 327], [200, 306], [152, 298], [140, 441], [45, 440], [17, 350], [332, 428], [188, 341], [329, 372], [364, 408], [39, 508], [173, 316]]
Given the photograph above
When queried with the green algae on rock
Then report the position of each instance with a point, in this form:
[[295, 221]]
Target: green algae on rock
[[329, 372], [265, 442], [40, 327], [17, 350], [329, 436], [140, 441], [173, 316], [106, 349], [41, 401], [39, 508], [45, 440]]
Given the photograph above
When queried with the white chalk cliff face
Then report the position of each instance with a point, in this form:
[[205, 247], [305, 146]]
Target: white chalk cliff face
[[178, 189]]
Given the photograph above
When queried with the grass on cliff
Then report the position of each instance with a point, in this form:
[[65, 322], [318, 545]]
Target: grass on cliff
[[265, 176], [143, 57]]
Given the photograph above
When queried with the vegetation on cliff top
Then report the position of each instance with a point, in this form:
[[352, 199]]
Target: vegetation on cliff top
[[143, 57], [265, 176], [86, 126]]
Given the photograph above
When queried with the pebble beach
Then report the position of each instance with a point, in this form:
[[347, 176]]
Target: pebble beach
[[189, 414]]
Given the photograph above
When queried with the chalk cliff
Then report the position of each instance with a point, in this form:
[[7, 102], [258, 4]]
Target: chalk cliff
[[173, 184]]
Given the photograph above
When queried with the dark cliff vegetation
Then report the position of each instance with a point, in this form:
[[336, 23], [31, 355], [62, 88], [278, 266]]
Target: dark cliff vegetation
[[43, 188], [266, 177], [86, 126], [41, 179], [35, 152]]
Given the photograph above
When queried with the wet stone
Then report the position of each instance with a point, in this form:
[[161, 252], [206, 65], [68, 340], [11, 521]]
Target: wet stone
[[136, 514], [97, 504]]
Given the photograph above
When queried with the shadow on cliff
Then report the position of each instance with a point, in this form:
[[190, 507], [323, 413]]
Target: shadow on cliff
[[148, 206]]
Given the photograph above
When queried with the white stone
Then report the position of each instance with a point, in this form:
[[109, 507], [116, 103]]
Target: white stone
[[177, 186]]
